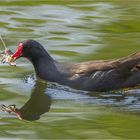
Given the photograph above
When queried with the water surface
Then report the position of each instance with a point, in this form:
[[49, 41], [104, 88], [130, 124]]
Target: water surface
[[71, 31]]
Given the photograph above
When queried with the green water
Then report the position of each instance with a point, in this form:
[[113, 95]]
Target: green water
[[71, 31]]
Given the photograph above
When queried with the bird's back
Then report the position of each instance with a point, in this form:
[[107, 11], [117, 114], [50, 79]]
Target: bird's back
[[105, 75]]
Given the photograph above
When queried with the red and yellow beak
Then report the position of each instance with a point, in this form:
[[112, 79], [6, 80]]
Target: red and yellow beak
[[18, 53]]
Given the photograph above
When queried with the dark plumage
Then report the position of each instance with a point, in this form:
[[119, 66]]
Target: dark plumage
[[92, 75]]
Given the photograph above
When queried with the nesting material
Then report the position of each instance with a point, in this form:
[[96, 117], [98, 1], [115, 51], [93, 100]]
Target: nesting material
[[7, 57]]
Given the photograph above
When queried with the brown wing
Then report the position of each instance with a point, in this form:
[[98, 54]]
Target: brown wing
[[123, 64], [92, 66]]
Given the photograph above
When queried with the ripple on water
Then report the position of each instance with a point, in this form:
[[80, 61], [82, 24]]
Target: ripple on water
[[71, 31]]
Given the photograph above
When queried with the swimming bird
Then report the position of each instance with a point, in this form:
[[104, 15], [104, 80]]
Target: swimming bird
[[100, 75]]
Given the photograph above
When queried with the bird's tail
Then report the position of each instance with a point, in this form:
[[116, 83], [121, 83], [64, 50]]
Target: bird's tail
[[130, 62]]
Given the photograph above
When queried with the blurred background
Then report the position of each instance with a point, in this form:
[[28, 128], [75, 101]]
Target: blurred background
[[71, 31]]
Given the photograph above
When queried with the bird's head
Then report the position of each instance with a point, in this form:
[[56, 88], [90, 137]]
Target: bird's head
[[30, 49]]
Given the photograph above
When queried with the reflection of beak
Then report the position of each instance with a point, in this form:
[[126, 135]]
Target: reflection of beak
[[18, 115], [9, 109]]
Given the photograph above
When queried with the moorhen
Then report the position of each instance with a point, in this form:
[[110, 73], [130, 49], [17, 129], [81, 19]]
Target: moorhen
[[102, 75]]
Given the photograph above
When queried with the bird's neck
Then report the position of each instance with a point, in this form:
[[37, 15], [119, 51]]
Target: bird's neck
[[45, 68]]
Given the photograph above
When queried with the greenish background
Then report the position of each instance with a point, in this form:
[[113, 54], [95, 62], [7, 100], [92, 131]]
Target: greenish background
[[71, 31]]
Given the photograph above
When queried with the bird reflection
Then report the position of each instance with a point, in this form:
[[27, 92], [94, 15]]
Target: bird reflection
[[38, 104]]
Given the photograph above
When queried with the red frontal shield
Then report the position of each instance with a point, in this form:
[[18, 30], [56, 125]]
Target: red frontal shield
[[18, 52]]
